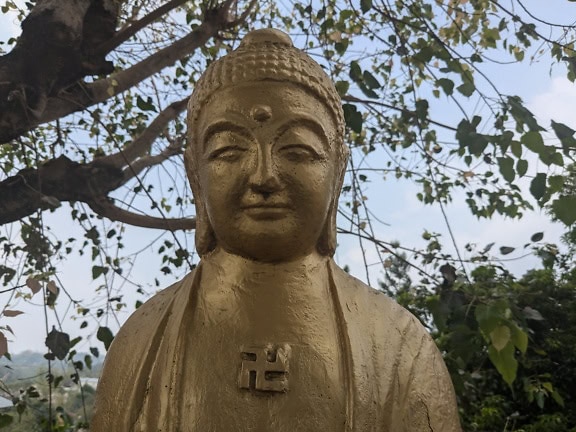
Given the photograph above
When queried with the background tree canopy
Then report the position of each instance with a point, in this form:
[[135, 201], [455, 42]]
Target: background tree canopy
[[92, 101]]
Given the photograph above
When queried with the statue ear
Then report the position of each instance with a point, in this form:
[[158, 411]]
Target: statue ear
[[327, 242], [204, 236]]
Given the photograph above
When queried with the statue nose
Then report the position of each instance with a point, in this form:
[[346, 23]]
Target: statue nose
[[264, 179]]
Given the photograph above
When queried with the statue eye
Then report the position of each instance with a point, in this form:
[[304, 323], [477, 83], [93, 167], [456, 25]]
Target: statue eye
[[226, 146], [227, 154], [301, 144], [299, 153]]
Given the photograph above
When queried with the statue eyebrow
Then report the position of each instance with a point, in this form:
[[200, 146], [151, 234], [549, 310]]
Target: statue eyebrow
[[227, 125], [307, 121]]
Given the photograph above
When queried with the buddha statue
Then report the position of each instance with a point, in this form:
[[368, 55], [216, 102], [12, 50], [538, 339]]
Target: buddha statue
[[268, 333]]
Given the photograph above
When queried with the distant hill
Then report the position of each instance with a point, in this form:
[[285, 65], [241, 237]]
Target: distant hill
[[30, 365]]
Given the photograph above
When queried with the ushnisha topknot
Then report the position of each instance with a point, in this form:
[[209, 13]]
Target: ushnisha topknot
[[266, 55]]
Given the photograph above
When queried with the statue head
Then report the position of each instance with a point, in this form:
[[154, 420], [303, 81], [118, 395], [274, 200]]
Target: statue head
[[266, 156]]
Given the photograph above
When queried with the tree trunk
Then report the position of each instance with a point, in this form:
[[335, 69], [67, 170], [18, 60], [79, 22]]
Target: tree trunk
[[56, 49]]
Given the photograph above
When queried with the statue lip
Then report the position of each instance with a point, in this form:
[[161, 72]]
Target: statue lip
[[265, 205], [264, 211]]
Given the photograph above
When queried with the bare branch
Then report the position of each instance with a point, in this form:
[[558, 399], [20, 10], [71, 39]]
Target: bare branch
[[349, 98], [106, 208], [57, 180], [149, 161], [140, 146], [125, 34], [244, 14], [80, 98]]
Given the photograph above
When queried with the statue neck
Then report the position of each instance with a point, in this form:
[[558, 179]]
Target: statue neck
[[304, 277]]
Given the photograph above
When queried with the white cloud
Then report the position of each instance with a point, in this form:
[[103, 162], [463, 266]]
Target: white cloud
[[558, 103]]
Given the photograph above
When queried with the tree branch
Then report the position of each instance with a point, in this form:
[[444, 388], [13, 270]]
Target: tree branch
[[125, 34], [54, 51], [142, 144], [57, 180], [64, 180], [142, 163], [349, 98], [79, 96], [106, 208]]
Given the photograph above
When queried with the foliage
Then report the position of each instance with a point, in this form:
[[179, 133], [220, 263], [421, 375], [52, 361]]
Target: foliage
[[419, 104], [510, 344]]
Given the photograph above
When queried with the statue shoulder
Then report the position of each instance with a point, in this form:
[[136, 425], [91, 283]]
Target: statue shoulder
[[404, 356], [144, 322], [357, 295], [382, 317]]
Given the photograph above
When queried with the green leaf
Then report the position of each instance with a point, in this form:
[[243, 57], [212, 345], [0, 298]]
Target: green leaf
[[342, 87], [555, 395], [447, 85], [98, 271], [522, 167], [88, 361], [504, 362], [565, 135], [355, 71], [506, 165], [365, 5], [367, 91], [556, 183], [564, 208], [505, 250], [467, 89], [519, 338], [536, 237], [352, 117], [58, 342], [538, 186], [370, 80], [561, 130], [488, 318], [500, 337], [516, 148], [522, 115], [534, 142], [105, 336], [145, 105]]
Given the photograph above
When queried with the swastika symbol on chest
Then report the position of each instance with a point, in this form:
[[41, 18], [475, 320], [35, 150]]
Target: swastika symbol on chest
[[264, 368]]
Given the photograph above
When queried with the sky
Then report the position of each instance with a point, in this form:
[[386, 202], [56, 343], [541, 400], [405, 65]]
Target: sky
[[395, 203]]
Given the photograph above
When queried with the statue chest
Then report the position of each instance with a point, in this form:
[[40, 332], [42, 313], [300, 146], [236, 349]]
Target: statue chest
[[275, 370]]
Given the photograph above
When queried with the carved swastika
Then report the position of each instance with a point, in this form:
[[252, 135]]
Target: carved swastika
[[264, 368]]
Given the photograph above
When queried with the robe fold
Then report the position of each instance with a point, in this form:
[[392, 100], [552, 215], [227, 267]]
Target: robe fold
[[395, 379]]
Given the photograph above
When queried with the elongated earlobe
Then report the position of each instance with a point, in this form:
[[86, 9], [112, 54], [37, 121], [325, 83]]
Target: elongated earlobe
[[204, 236], [327, 242]]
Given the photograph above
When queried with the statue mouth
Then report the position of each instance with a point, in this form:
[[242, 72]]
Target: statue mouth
[[266, 211], [265, 205]]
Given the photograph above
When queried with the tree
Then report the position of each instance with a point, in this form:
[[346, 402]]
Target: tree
[[509, 346], [91, 114]]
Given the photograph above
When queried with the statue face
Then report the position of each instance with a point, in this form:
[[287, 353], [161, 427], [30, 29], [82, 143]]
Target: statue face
[[266, 169]]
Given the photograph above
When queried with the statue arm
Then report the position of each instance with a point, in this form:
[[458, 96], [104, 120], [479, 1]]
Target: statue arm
[[127, 365], [431, 401]]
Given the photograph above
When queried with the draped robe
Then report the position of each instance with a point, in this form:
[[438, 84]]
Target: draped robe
[[393, 378]]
